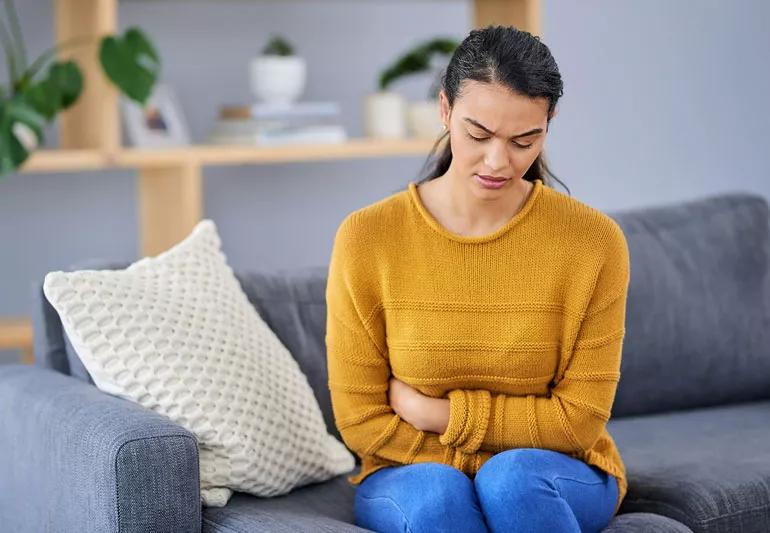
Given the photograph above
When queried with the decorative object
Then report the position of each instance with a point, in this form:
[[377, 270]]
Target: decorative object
[[157, 124], [269, 124], [424, 119], [34, 97], [278, 75], [420, 119], [385, 115], [177, 334]]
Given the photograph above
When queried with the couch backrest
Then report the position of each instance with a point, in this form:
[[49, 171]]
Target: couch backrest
[[698, 311], [697, 321]]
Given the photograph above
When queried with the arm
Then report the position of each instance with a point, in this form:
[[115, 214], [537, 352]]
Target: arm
[[359, 369], [73, 458], [575, 413]]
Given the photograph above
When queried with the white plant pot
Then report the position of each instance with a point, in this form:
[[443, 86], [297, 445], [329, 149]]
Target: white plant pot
[[385, 115], [424, 119], [277, 79]]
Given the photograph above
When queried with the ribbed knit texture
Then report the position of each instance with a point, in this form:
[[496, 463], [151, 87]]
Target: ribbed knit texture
[[521, 329]]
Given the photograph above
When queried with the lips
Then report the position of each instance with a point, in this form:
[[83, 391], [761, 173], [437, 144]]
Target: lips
[[494, 178]]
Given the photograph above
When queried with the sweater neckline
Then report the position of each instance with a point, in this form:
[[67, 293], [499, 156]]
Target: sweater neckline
[[414, 195]]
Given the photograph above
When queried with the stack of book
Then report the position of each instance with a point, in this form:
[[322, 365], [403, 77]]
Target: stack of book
[[273, 124]]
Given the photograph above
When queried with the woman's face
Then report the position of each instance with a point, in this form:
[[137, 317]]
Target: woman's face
[[496, 117]]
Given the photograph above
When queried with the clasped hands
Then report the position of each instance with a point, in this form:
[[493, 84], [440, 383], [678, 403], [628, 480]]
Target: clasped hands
[[423, 412]]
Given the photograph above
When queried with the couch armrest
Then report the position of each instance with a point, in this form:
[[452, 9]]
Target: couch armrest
[[73, 458]]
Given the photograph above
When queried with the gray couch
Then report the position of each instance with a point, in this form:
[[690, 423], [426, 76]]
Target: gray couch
[[691, 416]]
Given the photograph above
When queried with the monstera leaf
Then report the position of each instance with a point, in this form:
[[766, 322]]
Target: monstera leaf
[[57, 91], [18, 121], [131, 63], [33, 99], [23, 116]]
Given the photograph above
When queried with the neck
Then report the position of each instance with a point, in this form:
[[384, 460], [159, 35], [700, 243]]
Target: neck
[[469, 204]]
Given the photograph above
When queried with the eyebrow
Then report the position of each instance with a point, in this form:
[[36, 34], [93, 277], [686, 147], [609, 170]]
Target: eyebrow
[[530, 132]]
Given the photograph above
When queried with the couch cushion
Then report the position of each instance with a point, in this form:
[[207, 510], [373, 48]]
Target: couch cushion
[[645, 523], [708, 468], [698, 311], [53, 348], [318, 507]]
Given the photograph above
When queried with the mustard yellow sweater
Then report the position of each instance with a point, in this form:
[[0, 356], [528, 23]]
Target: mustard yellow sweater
[[521, 329]]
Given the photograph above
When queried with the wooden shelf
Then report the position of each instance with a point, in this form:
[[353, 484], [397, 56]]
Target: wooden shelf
[[16, 334], [64, 161], [77, 160]]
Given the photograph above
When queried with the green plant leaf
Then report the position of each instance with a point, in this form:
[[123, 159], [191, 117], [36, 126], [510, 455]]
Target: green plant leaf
[[66, 77], [44, 97], [131, 63], [278, 46], [49, 55], [12, 151], [416, 60], [58, 90]]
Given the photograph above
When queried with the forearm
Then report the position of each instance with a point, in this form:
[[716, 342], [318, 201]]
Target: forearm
[[564, 421], [435, 414]]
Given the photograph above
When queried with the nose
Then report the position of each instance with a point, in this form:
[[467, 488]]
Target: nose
[[496, 156]]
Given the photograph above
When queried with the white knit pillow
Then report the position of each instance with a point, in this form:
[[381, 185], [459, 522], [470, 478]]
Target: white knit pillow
[[176, 334]]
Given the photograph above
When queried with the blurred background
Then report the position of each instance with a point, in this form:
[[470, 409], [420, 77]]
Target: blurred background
[[663, 101]]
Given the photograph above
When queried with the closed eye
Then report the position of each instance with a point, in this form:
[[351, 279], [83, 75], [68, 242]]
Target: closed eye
[[482, 139]]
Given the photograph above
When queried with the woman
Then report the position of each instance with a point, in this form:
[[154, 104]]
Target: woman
[[475, 322]]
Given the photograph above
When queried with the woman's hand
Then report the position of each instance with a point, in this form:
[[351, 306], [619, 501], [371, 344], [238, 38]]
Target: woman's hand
[[423, 412]]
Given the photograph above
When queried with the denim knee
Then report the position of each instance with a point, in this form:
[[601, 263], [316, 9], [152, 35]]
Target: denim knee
[[522, 468], [422, 497], [532, 489], [443, 498]]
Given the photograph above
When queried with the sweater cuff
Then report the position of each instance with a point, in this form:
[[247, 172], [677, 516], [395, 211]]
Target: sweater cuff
[[469, 412]]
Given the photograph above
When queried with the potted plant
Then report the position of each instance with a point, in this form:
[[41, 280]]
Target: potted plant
[[38, 91], [278, 75], [388, 114]]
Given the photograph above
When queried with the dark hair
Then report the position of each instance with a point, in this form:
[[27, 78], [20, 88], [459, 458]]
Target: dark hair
[[509, 56]]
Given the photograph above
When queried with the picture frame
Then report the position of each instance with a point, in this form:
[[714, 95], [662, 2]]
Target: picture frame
[[160, 123]]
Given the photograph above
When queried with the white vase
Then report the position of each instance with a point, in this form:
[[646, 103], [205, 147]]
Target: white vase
[[424, 119], [385, 115], [277, 79]]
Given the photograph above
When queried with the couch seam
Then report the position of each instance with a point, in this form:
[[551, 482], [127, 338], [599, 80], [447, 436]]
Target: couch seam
[[736, 513], [117, 456], [699, 521]]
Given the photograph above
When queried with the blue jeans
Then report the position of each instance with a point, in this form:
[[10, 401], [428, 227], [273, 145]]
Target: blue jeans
[[522, 489]]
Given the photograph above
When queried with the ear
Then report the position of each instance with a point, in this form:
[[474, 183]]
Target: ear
[[444, 108]]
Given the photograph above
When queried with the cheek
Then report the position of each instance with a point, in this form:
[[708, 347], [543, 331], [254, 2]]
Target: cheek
[[524, 158], [466, 151]]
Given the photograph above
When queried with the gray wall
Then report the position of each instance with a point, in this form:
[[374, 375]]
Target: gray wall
[[664, 101]]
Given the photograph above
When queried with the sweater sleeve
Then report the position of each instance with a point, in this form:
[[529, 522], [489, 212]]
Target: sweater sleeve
[[573, 415], [359, 369]]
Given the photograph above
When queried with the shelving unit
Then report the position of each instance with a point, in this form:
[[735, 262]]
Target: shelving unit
[[170, 184], [16, 334], [169, 191]]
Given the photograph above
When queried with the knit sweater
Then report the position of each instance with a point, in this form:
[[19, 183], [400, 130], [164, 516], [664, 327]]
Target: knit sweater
[[521, 329]]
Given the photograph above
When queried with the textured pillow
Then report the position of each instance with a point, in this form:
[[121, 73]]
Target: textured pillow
[[176, 334]]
